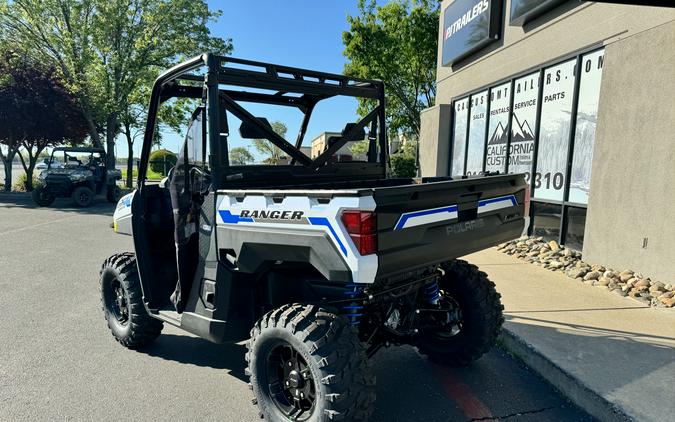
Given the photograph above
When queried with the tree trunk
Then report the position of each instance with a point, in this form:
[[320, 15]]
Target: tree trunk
[[93, 133], [111, 131], [130, 159], [30, 167], [29, 176], [8, 161]]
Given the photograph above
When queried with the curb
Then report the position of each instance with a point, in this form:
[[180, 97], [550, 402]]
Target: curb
[[574, 389]]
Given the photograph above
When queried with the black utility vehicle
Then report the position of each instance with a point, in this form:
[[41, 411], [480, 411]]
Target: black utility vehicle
[[80, 174], [319, 262]]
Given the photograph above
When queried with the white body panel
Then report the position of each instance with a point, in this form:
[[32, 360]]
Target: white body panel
[[316, 217]]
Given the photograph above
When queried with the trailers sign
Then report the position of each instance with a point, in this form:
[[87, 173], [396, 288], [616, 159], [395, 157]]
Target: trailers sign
[[469, 25]]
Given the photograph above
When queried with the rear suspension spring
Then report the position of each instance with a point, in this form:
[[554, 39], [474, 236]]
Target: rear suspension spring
[[354, 309], [432, 292]]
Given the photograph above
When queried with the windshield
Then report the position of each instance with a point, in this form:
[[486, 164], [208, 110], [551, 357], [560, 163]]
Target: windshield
[[75, 159]]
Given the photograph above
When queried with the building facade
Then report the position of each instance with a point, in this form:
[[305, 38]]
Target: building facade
[[319, 145], [578, 96]]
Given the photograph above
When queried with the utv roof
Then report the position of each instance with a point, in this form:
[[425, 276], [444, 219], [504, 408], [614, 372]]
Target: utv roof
[[79, 149], [224, 83], [283, 79]]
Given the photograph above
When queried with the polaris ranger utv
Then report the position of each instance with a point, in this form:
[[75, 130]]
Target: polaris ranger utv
[[318, 263], [82, 176]]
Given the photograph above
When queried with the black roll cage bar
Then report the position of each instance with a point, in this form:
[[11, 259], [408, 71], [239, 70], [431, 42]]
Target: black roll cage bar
[[313, 86]]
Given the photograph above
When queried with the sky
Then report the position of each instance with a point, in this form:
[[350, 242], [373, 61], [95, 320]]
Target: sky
[[298, 33]]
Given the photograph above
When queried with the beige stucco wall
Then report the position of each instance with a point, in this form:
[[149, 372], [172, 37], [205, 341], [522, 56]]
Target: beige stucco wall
[[633, 175], [432, 128], [569, 28]]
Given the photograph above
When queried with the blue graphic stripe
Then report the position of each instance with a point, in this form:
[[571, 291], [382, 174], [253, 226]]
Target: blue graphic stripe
[[323, 221], [511, 198], [452, 208], [407, 216], [229, 218]]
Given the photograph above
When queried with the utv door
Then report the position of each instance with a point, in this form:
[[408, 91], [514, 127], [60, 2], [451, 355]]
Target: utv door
[[189, 186]]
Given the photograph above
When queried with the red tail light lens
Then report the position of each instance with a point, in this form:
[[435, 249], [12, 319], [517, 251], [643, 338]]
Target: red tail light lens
[[362, 228]]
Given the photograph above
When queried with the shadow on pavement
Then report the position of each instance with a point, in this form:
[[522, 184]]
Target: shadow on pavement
[[631, 368], [196, 351], [23, 200]]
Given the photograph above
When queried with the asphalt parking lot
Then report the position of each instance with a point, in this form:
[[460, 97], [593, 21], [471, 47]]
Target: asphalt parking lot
[[59, 362]]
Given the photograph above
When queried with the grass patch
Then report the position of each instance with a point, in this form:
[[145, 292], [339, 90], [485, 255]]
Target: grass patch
[[151, 175]]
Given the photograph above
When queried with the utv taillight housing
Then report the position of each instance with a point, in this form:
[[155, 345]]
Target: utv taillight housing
[[362, 228]]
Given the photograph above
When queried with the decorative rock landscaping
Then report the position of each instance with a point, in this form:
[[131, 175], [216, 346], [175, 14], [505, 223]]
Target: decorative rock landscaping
[[554, 257]]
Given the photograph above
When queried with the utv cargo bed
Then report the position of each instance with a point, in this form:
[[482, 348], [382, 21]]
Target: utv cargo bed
[[427, 223]]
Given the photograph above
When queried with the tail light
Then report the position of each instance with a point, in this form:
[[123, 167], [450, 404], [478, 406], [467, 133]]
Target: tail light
[[362, 228]]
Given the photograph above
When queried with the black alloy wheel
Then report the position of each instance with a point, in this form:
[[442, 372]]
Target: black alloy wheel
[[306, 363], [122, 302], [117, 301], [42, 196], [474, 319], [290, 383], [83, 196]]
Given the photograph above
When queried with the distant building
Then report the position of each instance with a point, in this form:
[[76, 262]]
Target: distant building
[[319, 146]]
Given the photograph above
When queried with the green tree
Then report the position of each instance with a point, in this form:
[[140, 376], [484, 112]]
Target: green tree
[[36, 112], [162, 160], [271, 152], [396, 43], [359, 149], [404, 161], [240, 156], [107, 49]]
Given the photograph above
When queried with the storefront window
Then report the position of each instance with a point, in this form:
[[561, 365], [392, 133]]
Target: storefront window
[[459, 136], [584, 134], [523, 124], [476, 148], [576, 222], [481, 134], [556, 112], [500, 99], [546, 220]]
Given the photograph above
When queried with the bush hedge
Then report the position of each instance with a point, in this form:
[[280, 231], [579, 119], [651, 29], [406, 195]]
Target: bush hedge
[[162, 160]]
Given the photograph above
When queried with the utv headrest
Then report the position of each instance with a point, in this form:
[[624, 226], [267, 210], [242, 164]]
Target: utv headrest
[[359, 135], [248, 130]]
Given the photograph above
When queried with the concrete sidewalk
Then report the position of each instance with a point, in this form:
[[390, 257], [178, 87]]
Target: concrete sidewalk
[[611, 355]]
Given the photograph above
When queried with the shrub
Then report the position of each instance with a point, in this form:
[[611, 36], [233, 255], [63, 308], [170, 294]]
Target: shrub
[[20, 183], [162, 160], [402, 165]]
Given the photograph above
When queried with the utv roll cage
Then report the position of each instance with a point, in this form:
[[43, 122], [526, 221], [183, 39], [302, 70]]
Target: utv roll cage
[[85, 150], [290, 87]]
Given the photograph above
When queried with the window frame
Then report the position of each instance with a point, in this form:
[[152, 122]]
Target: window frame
[[541, 68]]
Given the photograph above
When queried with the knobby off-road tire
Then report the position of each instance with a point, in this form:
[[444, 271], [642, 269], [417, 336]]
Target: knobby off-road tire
[[113, 194], [122, 302], [332, 356], [42, 197], [481, 316], [83, 196]]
